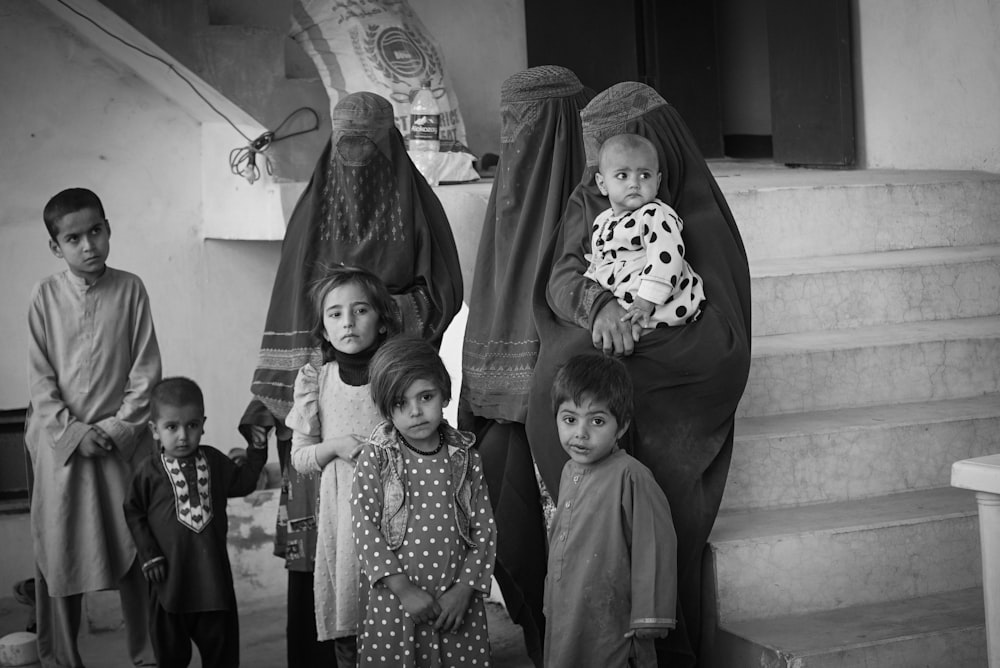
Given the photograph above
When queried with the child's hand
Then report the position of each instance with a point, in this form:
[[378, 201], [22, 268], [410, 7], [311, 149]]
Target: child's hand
[[157, 572], [258, 436], [238, 455], [637, 331], [347, 447], [420, 605], [639, 313], [454, 604], [94, 444], [647, 633]]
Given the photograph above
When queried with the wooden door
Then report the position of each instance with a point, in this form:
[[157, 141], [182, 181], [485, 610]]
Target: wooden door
[[812, 87]]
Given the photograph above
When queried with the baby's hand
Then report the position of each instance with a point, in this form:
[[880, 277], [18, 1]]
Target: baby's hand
[[157, 572], [347, 447], [454, 604], [639, 313], [238, 455], [647, 633], [95, 443]]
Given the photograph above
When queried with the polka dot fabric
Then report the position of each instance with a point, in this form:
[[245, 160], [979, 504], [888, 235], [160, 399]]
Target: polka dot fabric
[[433, 555], [641, 253]]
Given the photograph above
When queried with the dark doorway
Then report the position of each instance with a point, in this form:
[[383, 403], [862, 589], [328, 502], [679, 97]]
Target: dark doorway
[[789, 67], [668, 45]]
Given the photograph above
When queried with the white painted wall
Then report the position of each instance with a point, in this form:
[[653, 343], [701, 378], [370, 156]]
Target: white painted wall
[[928, 81], [72, 117]]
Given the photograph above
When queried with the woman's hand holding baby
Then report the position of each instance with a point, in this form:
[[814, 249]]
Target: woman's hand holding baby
[[610, 333]]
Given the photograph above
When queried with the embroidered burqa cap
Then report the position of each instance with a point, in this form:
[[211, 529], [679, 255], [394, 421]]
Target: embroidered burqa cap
[[688, 380], [541, 160], [366, 205]]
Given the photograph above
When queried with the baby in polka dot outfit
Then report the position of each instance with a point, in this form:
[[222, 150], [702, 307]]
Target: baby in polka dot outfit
[[423, 522], [636, 247]]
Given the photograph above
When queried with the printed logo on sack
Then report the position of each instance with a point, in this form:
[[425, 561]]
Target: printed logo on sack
[[400, 54]]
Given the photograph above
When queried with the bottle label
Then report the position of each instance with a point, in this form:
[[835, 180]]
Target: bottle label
[[425, 126]]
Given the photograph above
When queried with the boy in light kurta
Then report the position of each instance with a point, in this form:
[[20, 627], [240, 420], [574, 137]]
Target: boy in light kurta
[[611, 587], [92, 359]]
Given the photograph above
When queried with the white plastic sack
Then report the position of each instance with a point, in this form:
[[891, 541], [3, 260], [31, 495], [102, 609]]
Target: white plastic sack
[[379, 46]]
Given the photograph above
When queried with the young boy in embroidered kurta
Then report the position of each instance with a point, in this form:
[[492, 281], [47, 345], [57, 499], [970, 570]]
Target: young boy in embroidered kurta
[[636, 247], [422, 521], [92, 359], [611, 587], [176, 510]]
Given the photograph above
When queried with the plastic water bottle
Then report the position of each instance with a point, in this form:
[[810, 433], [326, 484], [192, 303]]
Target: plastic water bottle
[[425, 132]]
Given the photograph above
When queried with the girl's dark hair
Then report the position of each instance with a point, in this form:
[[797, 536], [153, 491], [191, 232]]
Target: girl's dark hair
[[600, 377], [399, 363], [176, 391], [378, 296], [69, 201]]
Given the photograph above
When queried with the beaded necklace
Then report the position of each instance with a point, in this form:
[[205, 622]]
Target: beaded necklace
[[433, 452]]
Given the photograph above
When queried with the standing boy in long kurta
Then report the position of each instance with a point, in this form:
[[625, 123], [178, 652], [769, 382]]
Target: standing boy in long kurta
[[92, 359], [176, 510], [612, 578]]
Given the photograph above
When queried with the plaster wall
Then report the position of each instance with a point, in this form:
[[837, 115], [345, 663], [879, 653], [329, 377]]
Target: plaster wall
[[927, 76], [71, 117]]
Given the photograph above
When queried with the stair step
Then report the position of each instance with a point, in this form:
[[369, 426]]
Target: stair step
[[946, 629], [796, 213], [853, 453], [796, 560], [845, 291], [880, 364]]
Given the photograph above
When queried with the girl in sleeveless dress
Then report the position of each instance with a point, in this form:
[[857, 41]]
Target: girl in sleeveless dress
[[331, 416]]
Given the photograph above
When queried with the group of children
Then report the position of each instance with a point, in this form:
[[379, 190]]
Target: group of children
[[403, 513]]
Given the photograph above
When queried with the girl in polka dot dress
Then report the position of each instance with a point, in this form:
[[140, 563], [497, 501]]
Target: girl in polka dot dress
[[422, 521], [331, 416], [637, 251]]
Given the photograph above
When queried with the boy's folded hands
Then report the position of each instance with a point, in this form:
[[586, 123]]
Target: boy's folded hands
[[95, 443]]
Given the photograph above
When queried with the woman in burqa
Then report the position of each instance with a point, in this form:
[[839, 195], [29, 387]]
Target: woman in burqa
[[688, 380], [366, 205], [541, 160]]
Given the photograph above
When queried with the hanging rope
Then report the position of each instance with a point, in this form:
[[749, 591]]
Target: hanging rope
[[243, 159]]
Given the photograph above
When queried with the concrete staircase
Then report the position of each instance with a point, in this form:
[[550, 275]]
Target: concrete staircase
[[876, 364], [242, 49]]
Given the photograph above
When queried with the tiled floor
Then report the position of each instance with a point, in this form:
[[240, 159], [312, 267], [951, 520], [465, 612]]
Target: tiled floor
[[262, 631]]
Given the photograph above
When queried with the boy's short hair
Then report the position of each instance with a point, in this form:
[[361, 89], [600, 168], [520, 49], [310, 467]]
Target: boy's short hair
[[176, 391], [601, 377], [69, 201], [378, 295], [630, 142], [399, 363]]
